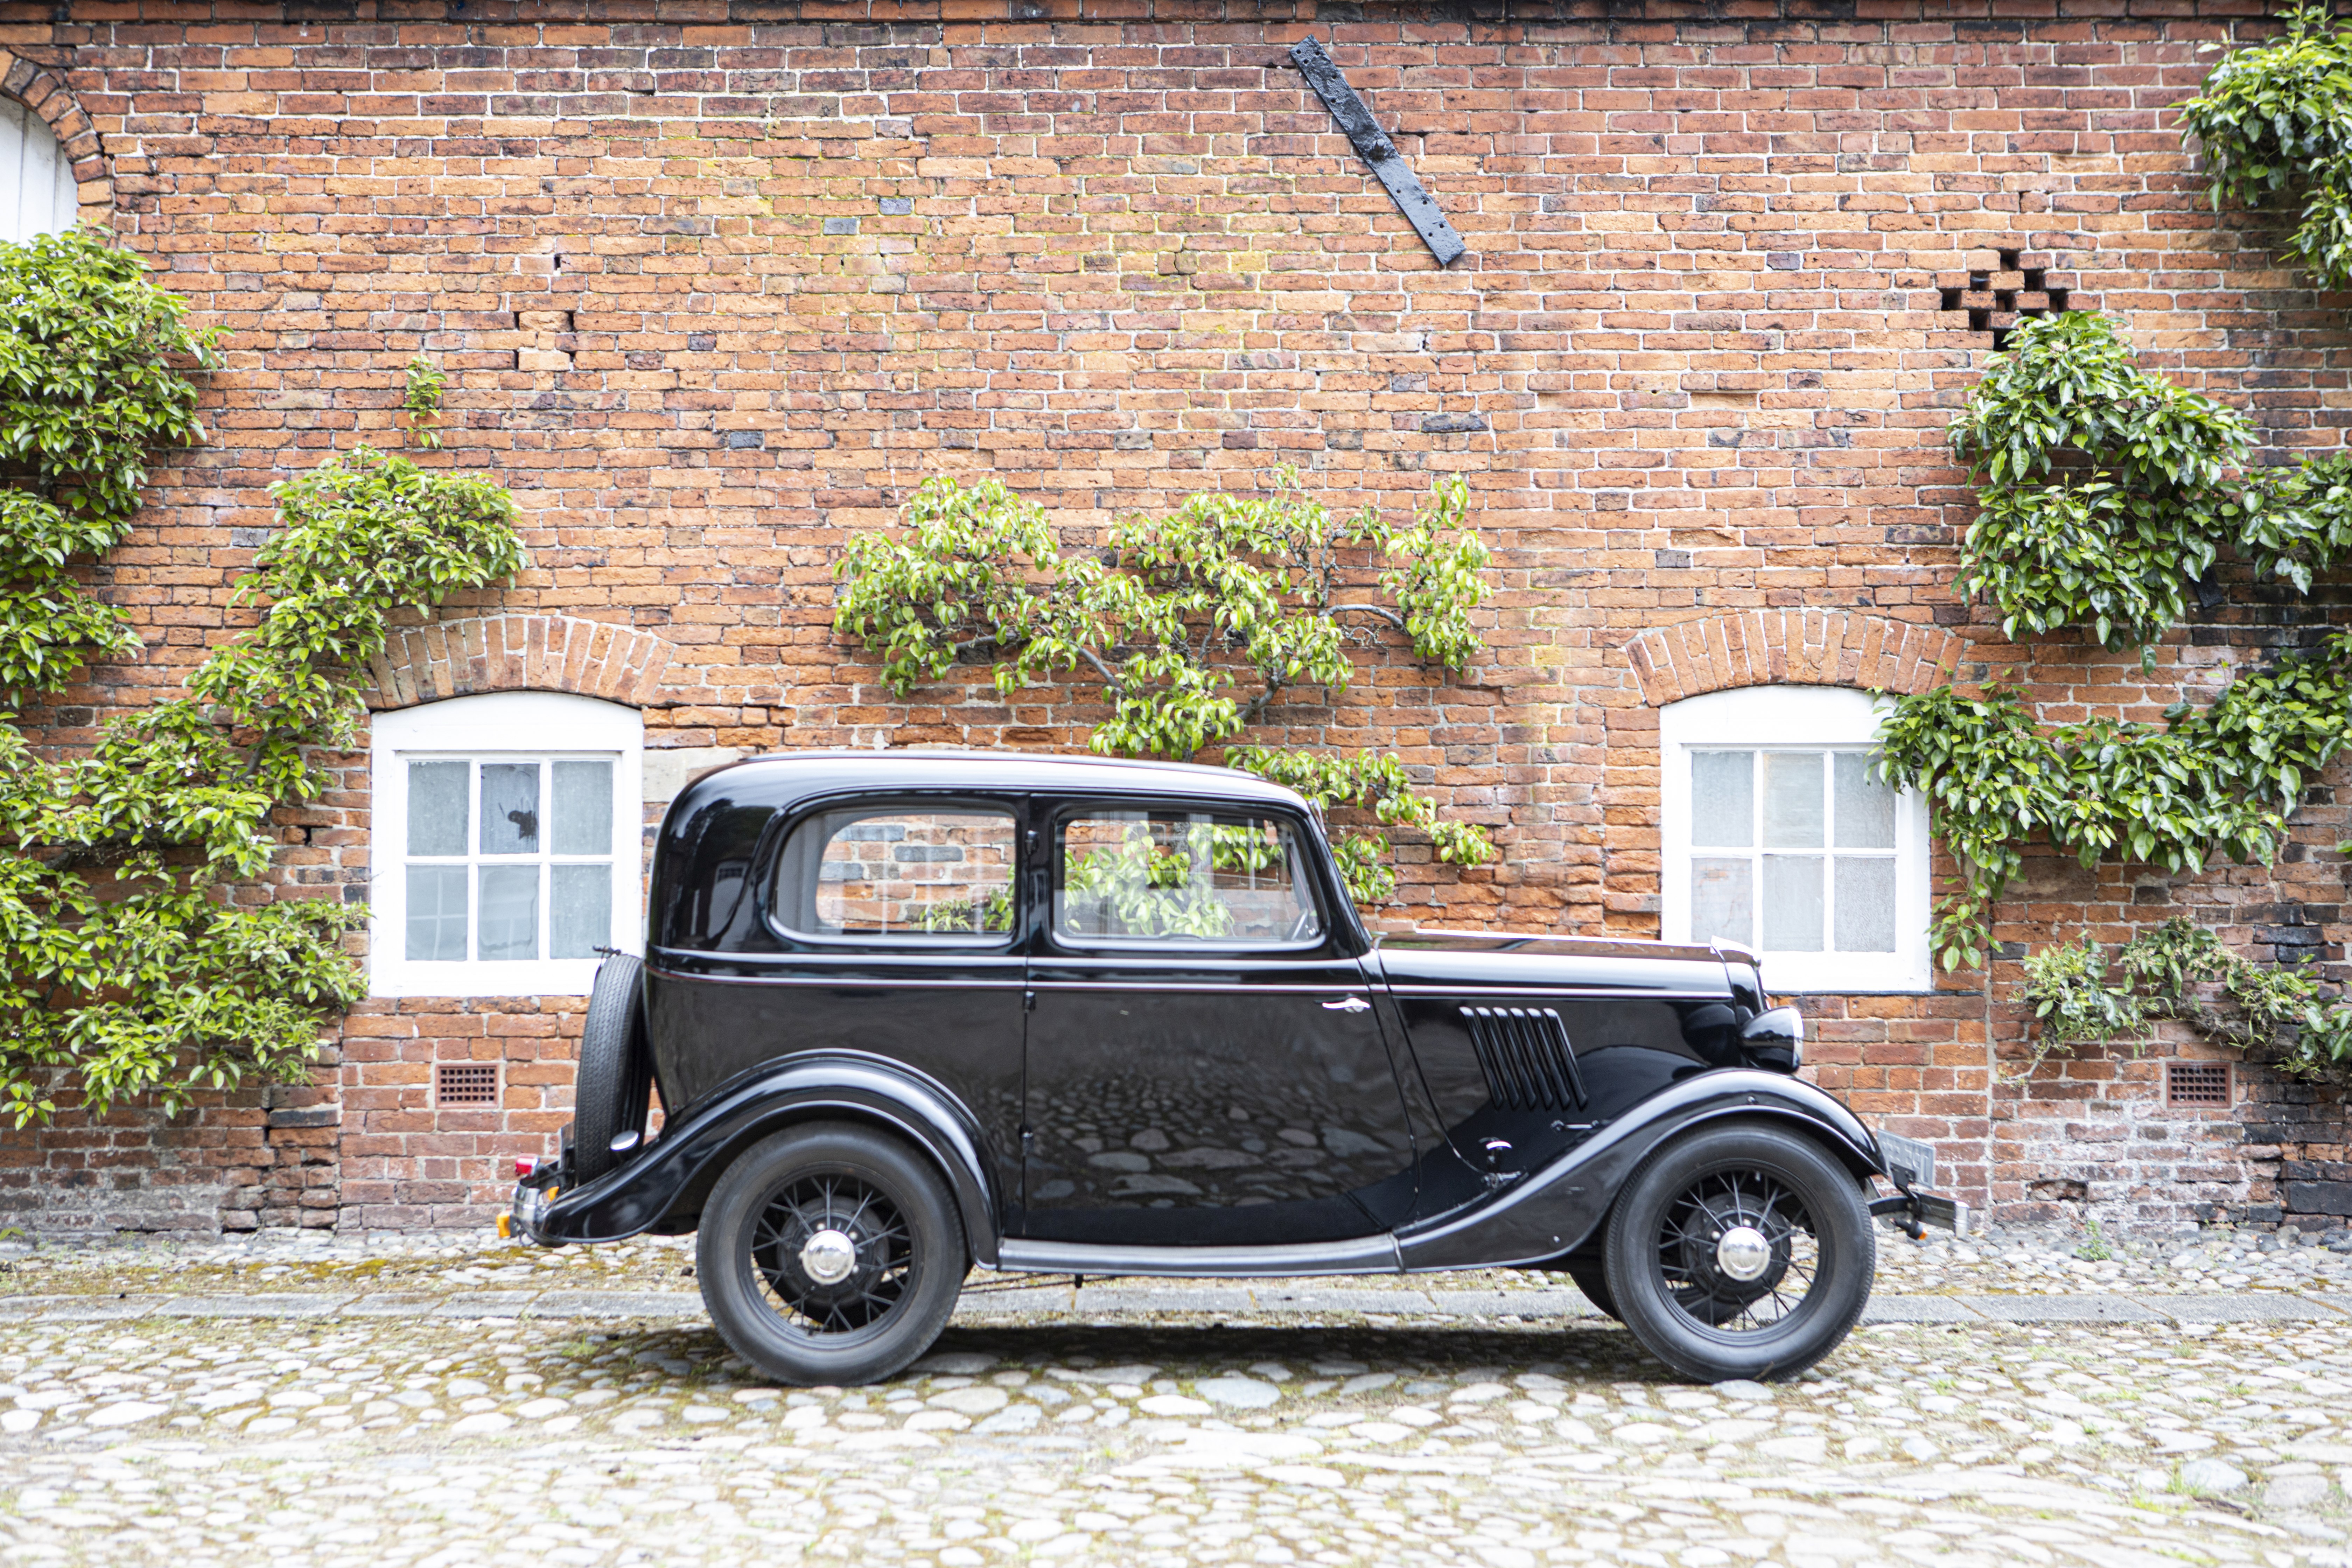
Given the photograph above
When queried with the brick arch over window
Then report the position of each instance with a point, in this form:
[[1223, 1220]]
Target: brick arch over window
[[517, 653], [39, 90], [1796, 648]]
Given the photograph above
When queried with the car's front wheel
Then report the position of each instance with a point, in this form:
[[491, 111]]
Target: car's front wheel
[[830, 1253], [1740, 1250]]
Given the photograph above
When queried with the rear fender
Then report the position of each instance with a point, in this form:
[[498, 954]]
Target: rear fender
[[1560, 1208], [662, 1187]]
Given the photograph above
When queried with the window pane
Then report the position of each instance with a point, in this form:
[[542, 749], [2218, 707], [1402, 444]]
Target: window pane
[[583, 808], [1865, 905], [579, 905], [437, 807], [901, 873], [1130, 876], [1792, 800], [436, 913], [1866, 806], [1723, 902], [1723, 799], [1792, 902], [509, 927], [511, 808]]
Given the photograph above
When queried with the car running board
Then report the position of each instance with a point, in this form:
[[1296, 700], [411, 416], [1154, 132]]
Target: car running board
[[1368, 1255]]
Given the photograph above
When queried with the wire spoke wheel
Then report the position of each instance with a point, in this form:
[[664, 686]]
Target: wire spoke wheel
[[833, 1252], [1741, 1249], [1738, 1252]]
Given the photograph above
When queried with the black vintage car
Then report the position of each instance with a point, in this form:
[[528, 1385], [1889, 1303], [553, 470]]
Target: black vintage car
[[910, 1012]]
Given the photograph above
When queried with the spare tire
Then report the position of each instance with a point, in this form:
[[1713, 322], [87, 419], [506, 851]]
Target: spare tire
[[610, 1092]]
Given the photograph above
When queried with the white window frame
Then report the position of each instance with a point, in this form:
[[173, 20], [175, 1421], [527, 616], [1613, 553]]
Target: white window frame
[[500, 726], [1794, 717], [37, 192]]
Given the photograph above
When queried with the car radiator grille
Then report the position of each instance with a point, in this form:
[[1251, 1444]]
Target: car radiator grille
[[1525, 1053]]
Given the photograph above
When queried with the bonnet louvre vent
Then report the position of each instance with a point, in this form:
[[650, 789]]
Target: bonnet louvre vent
[[1525, 1053]]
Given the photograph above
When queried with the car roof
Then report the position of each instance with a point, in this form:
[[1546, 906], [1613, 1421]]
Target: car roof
[[782, 778]]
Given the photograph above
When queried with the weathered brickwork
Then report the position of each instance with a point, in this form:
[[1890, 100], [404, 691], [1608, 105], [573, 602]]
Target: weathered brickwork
[[716, 285]]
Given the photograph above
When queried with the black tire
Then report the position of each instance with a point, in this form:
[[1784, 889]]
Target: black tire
[[887, 1201], [1591, 1277], [1667, 1270], [611, 1090]]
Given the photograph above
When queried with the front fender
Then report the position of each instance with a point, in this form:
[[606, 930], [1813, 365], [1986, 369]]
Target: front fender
[[1558, 1209], [662, 1187]]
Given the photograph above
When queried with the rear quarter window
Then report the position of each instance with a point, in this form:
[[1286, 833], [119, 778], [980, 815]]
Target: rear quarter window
[[884, 873]]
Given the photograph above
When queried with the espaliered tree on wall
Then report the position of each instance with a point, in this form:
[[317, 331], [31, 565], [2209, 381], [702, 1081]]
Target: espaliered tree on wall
[[2273, 124], [1198, 623], [125, 967], [2105, 494]]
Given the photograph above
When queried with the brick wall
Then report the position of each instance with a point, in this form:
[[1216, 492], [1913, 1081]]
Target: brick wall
[[715, 288]]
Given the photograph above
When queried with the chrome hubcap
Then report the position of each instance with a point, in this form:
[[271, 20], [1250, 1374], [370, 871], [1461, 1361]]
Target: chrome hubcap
[[1742, 1253], [829, 1256]]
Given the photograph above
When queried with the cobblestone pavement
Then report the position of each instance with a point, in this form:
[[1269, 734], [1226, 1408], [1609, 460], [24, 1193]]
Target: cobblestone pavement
[[408, 1403]]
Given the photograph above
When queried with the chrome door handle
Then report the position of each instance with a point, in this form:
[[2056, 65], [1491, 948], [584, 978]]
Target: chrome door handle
[[1348, 1005]]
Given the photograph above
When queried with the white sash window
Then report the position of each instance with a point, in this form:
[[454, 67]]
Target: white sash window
[[1778, 837], [36, 185], [505, 833]]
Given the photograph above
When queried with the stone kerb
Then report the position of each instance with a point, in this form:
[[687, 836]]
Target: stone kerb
[[517, 653], [1802, 648], [39, 90]]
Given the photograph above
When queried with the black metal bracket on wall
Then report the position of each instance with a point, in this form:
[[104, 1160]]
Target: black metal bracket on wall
[[1373, 145]]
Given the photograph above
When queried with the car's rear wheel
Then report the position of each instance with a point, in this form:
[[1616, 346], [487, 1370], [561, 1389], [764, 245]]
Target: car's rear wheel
[[831, 1253], [1740, 1250], [611, 1091]]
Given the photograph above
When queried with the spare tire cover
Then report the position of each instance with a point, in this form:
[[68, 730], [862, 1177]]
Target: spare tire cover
[[615, 1079]]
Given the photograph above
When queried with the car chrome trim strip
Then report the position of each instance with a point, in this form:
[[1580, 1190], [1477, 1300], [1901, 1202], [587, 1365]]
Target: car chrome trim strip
[[1594, 946], [1571, 993], [1366, 1255]]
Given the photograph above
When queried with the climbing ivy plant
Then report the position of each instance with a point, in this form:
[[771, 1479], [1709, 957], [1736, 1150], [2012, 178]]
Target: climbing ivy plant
[[2275, 121], [126, 966], [2105, 493], [2180, 970], [1197, 623], [2216, 778]]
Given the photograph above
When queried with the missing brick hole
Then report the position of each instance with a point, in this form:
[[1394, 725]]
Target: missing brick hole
[[2198, 1083], [464, 1083]]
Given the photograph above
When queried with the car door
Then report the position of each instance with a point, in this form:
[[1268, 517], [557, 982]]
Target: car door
[[1204, 1062], [891, 929]]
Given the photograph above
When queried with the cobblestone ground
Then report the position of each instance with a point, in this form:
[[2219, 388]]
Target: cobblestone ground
[[294, 1405]]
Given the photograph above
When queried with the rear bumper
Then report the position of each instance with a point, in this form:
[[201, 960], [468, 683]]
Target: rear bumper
[[1921, 1209]]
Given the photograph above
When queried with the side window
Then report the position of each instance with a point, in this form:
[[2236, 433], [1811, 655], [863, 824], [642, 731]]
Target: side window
[[873, 872], [1174, 876], [508, 859], [1778, 837], [506, 843], [37, 194]]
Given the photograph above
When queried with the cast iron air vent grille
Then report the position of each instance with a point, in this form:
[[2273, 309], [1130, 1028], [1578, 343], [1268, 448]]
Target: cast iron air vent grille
[[1525, 1053], [464, 1083], [1994, 301], [2197, 1083]]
